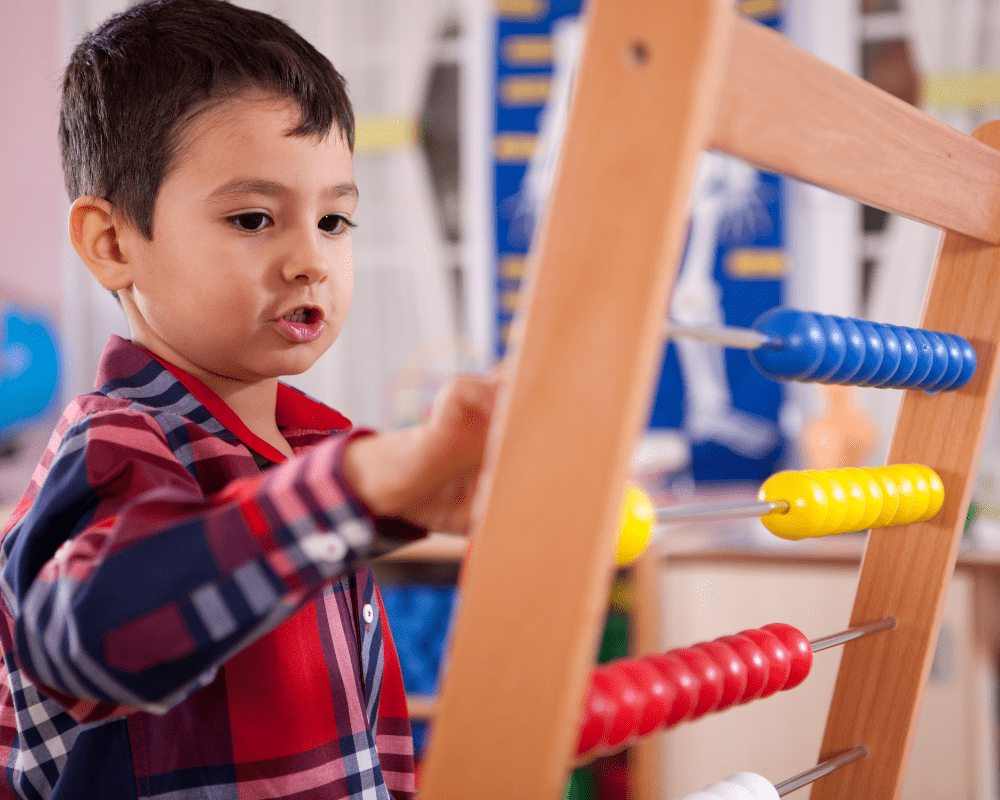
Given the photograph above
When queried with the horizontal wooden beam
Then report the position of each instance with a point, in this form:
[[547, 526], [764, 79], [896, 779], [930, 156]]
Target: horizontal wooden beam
[[786, 111]]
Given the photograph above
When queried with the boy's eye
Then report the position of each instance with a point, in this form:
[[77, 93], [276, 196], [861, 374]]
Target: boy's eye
[[335, 223], [250, 221]]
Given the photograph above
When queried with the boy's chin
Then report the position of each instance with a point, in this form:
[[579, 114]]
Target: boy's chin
[[300, 361]]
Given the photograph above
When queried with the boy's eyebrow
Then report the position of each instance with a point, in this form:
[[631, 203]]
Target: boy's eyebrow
[[241, 186]]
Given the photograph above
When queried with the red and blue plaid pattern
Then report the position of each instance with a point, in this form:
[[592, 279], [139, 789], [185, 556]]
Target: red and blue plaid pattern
[[178, 624]]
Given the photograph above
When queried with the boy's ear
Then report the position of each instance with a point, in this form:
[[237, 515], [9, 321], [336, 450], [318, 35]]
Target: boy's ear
[[94, 231]]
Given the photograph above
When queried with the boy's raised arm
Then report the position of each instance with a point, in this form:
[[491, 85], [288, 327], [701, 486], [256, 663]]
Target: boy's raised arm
[[129, 587]]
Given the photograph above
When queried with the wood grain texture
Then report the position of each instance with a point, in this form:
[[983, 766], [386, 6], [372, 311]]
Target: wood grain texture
[[789, 112], [584, 357], [906, 571]]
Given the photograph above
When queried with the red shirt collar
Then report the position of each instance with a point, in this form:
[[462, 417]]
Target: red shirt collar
[[294, 410]]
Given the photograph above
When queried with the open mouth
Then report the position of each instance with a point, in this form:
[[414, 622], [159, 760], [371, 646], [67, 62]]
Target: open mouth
[[302, 324], [304, 315]]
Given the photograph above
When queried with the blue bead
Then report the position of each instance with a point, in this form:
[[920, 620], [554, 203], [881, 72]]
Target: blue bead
[[874, 353], [925, 359], [855, 354], [891, 356], [954, 367], [968, 363], [940, 365], [803, 344], [836, 349], [958, 352], [907, 357]]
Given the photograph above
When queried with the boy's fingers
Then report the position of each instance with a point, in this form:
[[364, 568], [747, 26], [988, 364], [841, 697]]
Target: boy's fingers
[[472, 392], [485, 392]]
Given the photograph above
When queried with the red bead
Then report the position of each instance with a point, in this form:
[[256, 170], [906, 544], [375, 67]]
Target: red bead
[[682, 679], [657, 694], [709, 676], [798, 648], [756, 663], [628, 705], [779, 662], [598, 711], [734, 671]]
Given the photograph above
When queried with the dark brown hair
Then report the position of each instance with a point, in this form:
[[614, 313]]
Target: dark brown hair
[[133, 84]]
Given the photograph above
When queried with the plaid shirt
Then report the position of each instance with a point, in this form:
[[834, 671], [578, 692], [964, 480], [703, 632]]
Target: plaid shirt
[[177, 623]]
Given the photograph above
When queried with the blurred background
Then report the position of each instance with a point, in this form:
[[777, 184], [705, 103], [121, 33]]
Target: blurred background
[[460, 107]]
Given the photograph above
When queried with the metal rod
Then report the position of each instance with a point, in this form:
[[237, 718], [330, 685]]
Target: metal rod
[[738, 338], [810, 775], [710, 511], [885, 624]]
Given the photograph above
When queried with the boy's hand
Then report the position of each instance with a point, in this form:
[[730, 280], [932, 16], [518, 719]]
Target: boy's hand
[[427, 474]]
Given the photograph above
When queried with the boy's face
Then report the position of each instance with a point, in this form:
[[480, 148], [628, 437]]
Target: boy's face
[[249, 274]]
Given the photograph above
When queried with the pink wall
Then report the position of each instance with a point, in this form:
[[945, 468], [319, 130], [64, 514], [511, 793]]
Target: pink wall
[[32, 199]]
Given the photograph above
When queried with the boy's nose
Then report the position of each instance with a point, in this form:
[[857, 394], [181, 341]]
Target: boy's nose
[[305, 263]]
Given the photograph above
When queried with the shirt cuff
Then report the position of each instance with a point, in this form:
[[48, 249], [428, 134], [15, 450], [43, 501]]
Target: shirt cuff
[[391, 532]]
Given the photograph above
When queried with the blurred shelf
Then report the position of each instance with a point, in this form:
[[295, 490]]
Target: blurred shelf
[[437, 547], [845, 550], [421, 707]]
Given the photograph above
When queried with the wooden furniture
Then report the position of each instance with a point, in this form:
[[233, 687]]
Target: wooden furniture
[[712, 582], [659, 82], [700, 579]]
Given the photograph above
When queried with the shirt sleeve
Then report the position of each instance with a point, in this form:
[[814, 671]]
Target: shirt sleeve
[[129, 587]]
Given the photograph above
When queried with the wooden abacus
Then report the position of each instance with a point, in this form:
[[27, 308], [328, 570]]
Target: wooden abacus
[[659, 81]]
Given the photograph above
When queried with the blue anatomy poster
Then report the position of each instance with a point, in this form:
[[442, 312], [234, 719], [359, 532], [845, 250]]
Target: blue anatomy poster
[[734, 262]]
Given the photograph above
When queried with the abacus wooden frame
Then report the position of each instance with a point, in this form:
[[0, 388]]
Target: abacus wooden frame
[[659, 81]]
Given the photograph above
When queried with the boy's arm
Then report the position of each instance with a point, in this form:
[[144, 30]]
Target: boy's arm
[[156, 585]]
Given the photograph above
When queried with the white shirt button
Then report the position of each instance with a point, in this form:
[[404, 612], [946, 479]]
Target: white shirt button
[[368, 613]]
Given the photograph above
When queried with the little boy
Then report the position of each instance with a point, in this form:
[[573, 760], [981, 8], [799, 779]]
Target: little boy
[[187, 610]]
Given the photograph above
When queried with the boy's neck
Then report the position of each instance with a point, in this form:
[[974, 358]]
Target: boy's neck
[[254, 402]]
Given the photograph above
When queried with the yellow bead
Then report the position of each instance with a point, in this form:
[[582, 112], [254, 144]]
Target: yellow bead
[[905, 487], [921, 492], [874, 501], [807, 505], [637, 520], [935, 491], [855, 503], [836, 499], [890, 497]]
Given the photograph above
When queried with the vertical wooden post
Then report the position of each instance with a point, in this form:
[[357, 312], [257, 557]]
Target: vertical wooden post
[[585, 353], [906, 571]]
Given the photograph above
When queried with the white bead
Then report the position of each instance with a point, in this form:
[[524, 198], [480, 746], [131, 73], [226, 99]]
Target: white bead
[[726, 790], [759, 786]]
